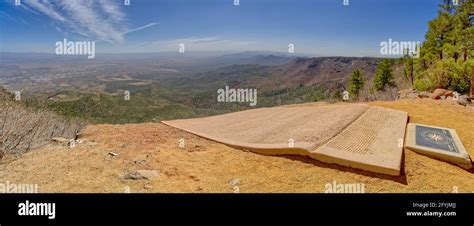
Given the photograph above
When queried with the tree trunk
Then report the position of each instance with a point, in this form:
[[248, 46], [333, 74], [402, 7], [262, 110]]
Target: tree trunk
[[465, 54]]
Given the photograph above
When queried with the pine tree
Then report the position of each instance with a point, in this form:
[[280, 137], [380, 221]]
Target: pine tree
[[408, 72], [356, 83], [384, 76], [446, 56]]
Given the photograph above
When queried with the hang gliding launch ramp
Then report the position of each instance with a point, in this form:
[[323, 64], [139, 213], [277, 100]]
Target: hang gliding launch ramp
[[353, 135]]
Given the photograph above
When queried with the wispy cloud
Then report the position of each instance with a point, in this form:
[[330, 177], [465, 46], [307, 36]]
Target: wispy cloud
[[142, 27], [44, 7], [6, 16], [96, 19], [113, 10]]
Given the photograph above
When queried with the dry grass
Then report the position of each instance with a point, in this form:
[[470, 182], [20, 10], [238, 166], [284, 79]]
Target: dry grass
[[206, 166], [23, 129]]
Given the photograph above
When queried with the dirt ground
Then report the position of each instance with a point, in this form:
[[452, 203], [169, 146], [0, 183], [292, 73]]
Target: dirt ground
[[206, 166]]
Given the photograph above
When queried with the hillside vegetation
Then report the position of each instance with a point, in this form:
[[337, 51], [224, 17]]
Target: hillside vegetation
[[299, 81], [446, 56]]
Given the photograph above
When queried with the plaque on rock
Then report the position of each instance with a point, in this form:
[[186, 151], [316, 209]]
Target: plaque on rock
[[438, 142]]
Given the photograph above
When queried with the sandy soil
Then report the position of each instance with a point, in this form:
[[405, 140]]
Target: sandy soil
[[206, 166]]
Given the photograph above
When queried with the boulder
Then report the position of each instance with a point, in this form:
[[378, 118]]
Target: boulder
[[424, 94], [438, 93], [412, 95], [442, 94], [449, 93], [450, 99], [463, 100], [407, 94]]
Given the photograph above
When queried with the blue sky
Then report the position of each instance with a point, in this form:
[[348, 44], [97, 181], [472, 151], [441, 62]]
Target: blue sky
[[316, 27]]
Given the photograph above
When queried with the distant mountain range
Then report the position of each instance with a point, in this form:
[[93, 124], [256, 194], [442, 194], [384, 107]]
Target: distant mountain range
[[287, 73]]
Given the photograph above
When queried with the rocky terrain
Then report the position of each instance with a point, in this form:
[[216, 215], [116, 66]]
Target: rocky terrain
[[442, 95]]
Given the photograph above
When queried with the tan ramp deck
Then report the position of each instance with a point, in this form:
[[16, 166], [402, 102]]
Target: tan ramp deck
[[353, 135], [374, 142]]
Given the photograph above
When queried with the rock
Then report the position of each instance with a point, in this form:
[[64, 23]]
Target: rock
[[450, 99], [424, 94], [112, 154], [449, 93], [412, 95], [442, 94], [439, 92], [140, 161], [148, 186], [407, 94], [463, 100], [141, 174]]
